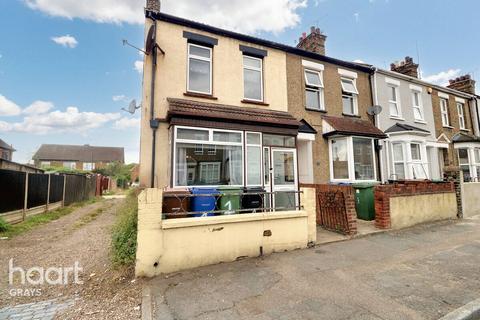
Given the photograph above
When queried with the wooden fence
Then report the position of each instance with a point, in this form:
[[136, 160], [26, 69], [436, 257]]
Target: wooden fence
[[24, 194]]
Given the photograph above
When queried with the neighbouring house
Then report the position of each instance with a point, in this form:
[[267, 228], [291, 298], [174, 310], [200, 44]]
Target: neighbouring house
[[78, 157], [6, 150], [407, 117], [337, 140]]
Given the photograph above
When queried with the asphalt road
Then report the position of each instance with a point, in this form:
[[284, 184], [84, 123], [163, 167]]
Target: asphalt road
[[419, 273]]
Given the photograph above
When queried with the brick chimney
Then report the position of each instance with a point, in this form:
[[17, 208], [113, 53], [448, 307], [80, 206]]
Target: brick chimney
[[314, 42], [464, 83], [153, 5], [406, 67]]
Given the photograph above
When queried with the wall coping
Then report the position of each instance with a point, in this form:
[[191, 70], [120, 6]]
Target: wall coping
[[234, 218]]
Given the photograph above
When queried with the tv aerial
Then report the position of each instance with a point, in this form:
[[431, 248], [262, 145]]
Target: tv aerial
[[374, 110], [150, 42], [132, 106]]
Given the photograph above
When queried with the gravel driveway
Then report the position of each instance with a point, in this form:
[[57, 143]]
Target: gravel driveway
[[83, 236]]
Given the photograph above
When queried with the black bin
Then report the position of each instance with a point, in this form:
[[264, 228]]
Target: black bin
[[251, 200]]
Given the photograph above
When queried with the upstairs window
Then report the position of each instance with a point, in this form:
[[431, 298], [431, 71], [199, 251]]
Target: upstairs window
[[252, 78], [417, 106], [349, 96], [314, 90], [444, 112], [461, 115], [199, 69], [393, 101]]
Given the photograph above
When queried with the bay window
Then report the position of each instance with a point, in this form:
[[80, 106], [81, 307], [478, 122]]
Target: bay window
[[417, 105], [254, 158], [352, 159], [199, 76], [398, 161], [252, 78], [464, 162], [314, 90], [408, 160], [349, 96], [418, 169]]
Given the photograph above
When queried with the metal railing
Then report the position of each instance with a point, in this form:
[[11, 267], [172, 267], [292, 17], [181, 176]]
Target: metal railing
[[182, 205]]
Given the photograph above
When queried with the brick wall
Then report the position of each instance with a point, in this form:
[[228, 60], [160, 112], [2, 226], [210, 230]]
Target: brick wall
[[383, 193], [344, 224]]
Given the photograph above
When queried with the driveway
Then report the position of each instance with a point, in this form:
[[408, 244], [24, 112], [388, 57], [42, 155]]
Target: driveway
[[419, 273]]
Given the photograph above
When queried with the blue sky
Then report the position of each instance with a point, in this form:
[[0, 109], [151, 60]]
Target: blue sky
[[64, 74]]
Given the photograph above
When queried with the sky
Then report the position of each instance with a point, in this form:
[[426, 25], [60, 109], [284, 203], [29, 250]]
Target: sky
[[65, 75]]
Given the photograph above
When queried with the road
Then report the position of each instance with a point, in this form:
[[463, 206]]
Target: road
[[419, 273]]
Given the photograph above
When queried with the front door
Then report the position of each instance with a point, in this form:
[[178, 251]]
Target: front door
[[284, 178]]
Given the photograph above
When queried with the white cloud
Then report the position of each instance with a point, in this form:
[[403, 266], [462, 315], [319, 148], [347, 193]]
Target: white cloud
[[138, 65], [70, 120], [120, 97], [38, 107], [266, 15], [66, 41], [442, 77], [8, 108], [127, 123]]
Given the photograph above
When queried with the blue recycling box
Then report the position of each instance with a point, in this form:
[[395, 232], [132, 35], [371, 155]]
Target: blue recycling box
[[204, 204]]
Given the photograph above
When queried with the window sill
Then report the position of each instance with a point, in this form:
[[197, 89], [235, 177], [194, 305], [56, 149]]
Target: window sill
[[350, 115], [316, 110], [420, 121], [397, 118], [260, 103], [466, 130], [200, 95], [448, 127]]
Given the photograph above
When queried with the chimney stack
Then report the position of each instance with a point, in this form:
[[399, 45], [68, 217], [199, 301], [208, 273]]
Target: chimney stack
[[153, 5], [406, 67], [314, 42], [464, 83]]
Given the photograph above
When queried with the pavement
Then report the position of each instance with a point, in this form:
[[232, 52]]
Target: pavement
[[42, 310], [424, 272]]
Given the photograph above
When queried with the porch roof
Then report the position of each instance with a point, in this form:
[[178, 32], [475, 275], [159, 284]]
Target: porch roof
[[464, 137], [401, 127], [196, 113], [351, 127]]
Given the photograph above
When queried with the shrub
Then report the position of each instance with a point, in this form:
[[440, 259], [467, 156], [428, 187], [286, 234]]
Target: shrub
[[4, 226], [124, 235]]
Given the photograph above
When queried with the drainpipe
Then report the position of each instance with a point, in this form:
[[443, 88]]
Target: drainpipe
[[378, 154], [154, 123]]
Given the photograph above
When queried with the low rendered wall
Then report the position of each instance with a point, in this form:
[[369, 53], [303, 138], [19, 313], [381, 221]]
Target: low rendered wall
[[401, 205], [165, 246], [471, 199], [407, 211]]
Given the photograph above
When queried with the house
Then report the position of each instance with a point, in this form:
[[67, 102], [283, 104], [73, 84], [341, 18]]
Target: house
[[411, 150], [6, 150], [79, 157], [337, 140]]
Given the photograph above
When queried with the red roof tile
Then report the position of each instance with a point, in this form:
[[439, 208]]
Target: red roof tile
[[353, 126]]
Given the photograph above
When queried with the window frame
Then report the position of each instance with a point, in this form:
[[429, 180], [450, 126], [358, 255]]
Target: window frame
[[319, 89], [418, 107], [262, 97], [210, 60], [444, 112], [350, 159], [415, 162], [403, 161], [461, 115], [396, 102], [260, 146], [351, 95], [210, 141]]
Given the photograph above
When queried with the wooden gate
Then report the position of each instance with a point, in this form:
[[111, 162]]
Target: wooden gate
[[332, 212]]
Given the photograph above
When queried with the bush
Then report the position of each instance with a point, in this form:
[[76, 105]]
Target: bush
[[124, 235], [4, 226]]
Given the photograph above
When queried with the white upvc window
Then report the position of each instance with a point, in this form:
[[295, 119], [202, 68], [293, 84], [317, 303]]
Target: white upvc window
[[349, 96], [469, 161], [461, 115], [444, 112], [352, 159], [419, 170], [417, 105], [476, 163], [253, 144], [314, 90], [399, 161], [199, 69], [252, 78], [70, 165], [394, 101], [88, 166], [45, 164]]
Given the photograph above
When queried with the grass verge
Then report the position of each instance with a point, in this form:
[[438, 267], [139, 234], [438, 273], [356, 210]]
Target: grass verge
[[39, 219], [124, 235]]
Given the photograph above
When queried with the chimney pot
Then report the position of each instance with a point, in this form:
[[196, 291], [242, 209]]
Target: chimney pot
[[312, 29], [314, 42], [153, 5], [463, 83], [406, 67]]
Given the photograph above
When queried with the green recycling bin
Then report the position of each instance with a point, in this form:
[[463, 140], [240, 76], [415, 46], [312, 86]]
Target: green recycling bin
[[364, 200], [230, 199]]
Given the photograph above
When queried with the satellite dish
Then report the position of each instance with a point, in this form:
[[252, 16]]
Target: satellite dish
[[132, 107], [374, 110], [150, 42]]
